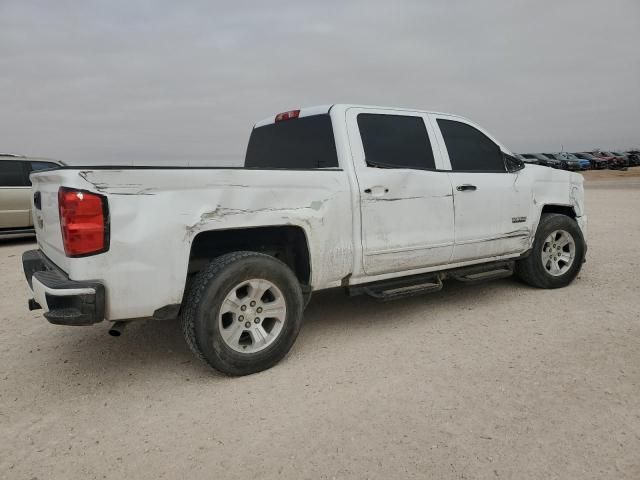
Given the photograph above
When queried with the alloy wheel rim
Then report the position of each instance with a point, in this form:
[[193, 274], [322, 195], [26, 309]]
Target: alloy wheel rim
[[252, 315], [558, 252]]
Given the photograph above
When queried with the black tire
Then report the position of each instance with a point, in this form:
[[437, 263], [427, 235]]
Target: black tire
[[531, 269], [208, 290]]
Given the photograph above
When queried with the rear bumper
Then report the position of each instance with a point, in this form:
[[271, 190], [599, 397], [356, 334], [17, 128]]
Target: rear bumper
[[65, 301]]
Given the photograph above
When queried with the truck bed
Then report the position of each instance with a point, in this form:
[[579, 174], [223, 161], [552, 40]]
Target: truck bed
[[156, 213]]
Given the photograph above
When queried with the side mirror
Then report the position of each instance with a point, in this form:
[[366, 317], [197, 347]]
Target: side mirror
[[512, 163]]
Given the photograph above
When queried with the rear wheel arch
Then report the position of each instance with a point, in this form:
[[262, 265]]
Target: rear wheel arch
[[287, 243], [213, 321]]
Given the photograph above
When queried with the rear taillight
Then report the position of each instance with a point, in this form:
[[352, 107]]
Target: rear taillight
[[84, 220]]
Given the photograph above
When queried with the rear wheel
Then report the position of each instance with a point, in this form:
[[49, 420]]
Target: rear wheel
[[557, 253], [243, 312]]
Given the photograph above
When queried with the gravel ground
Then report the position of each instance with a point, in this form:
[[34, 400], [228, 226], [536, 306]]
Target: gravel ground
[[497, 380]]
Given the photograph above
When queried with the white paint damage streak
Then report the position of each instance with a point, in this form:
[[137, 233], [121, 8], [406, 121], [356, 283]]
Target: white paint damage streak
[[220, 214], [118, 188]]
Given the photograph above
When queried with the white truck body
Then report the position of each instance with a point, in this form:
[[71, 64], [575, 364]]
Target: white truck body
[[361, 224]]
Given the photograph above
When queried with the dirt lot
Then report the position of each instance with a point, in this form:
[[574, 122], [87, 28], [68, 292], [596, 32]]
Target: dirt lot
[[487, 381]]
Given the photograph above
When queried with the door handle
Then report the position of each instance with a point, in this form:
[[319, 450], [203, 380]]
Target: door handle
[[466, 188], [376, 191]]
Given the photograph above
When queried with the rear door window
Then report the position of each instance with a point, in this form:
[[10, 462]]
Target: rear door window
[[13, 174], [395, 141], [469, 149], [298, 143]]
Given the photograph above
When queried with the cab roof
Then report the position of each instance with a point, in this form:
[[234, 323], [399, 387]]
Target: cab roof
[[323, 109]]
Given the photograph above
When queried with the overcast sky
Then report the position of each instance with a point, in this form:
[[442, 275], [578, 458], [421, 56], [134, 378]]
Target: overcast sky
[[176, 81]]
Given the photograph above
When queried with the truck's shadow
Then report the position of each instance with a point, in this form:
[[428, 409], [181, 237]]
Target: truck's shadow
[[151, 348], [333, 309]]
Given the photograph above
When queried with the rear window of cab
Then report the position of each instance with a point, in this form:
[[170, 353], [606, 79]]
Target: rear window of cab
[[296, 143]]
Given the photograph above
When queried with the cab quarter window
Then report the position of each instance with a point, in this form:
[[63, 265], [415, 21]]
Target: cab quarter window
[[12, 174], [395, 141], [470, 149]]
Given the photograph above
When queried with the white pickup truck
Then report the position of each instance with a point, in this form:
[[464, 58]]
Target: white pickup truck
[[380, 201]]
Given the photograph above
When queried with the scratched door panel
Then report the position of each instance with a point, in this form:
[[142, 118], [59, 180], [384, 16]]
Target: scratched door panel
[[484, 217], [410, 227], [406, 213], [487, 198]]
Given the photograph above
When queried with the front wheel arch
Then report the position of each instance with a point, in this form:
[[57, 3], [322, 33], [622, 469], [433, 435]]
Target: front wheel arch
[[531, 269], [567, 210]]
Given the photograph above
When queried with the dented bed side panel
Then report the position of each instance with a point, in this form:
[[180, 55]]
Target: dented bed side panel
[[156, 214]]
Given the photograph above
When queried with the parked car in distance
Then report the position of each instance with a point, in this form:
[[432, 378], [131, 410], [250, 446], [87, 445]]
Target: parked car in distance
[[621, 156], [584, 164], [634, 157], [547, 160], [365, 202], [614, 161], [531, 159], [567, 161], [15, 191], [610, 160], [596, 163]]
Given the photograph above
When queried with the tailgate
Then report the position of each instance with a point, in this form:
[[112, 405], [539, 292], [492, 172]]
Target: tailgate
[[46, 217]]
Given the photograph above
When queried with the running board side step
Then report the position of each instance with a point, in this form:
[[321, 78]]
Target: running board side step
[[402, 287], [393, 289], [481, 273]]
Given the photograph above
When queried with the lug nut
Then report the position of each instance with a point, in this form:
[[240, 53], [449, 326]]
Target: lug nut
[[241, 318], [257, 320], [243, 308], [259, 310], [252, 303], [247, 325]]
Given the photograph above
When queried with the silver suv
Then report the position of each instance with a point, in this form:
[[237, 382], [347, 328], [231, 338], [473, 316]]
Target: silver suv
[[15, 191]]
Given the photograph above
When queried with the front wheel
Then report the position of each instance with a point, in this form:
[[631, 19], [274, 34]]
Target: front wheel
[[243, 312], [557, 253]]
